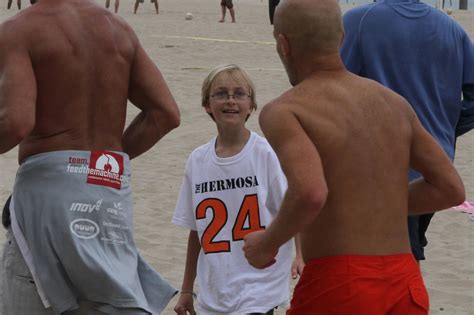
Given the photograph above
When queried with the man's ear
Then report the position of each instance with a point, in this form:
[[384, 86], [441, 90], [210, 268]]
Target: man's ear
[[285, 45]]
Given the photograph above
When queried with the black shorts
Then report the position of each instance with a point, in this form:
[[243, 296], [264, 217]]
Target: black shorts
[[417, 227], [227, 3], [270, 312], [271, 8]]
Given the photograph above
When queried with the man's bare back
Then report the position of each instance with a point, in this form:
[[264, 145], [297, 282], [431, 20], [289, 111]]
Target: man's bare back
[[361, 131], [67, 70], [71, 70], [345, 144]]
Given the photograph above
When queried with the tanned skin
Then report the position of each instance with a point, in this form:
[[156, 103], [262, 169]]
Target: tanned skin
[[67, 69], [345, 144]]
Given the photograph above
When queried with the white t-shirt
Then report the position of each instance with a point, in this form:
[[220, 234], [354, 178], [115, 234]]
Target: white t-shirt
[[223, 199]]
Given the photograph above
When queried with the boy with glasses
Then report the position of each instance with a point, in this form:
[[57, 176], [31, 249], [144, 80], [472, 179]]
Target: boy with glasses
[[233, 185]]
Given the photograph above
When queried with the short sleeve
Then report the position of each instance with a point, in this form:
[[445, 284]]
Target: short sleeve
[[277, 184], [184, 212]]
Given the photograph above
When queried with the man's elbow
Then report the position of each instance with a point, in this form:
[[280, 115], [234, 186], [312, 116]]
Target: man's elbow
[[313, 202], [14, 133], [175, 120], [455, 193], [451, 191], [166, 121]]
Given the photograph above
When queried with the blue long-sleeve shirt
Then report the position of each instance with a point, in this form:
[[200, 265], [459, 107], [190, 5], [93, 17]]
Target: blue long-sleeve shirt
[[420, 53]]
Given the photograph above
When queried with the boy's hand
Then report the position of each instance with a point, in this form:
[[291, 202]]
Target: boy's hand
[[297, 267], [257, 255], [185, 305]]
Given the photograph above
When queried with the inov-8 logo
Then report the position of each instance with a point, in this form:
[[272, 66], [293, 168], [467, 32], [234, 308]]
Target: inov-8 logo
[[86, 207]]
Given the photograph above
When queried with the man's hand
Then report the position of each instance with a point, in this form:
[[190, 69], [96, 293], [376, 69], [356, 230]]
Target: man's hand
[[257, 255], [185, 304], [297, 267]]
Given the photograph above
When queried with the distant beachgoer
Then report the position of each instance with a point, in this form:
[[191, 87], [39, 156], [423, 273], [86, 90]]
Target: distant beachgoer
[[137, 2], [18, 3], [117, 3], [271, 8], [227, 4]]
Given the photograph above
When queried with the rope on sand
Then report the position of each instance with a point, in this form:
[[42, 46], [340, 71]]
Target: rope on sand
[[217, 39]]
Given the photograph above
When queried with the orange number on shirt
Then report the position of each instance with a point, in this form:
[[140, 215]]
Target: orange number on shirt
[[248, 210], [219, 219]]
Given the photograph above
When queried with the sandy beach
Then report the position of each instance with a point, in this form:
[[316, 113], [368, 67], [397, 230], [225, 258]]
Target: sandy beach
[[185, 51]]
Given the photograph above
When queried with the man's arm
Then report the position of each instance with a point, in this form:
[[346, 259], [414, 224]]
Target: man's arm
[[441, 186], [159, 112], [17, 90], [298, 263], [307, 189]]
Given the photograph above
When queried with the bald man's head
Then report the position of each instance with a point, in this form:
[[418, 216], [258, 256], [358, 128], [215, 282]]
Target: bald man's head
[[313, 26]]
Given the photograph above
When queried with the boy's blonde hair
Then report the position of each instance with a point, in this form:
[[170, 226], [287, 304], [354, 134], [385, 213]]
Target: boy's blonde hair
[[231, 70]]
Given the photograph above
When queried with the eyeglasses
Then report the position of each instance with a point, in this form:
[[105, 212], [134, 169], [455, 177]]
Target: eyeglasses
[[224, 96]]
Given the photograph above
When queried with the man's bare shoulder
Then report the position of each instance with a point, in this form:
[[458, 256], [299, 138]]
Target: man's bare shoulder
[[119, 22], [373, 89], [279, 104], [13, 26], [394, 99], [278, 108], [13, 33], [37, 18]]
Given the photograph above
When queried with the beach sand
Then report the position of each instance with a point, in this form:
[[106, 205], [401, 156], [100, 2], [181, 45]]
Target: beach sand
[[185, 51]]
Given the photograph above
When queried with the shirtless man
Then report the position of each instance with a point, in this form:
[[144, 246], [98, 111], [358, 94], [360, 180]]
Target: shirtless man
[[67, 69], [346, 144]]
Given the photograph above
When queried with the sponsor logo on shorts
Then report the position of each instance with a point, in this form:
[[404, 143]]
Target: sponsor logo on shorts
[[77, 165], [105, 169], [115, 225], [86, 207], [77, 161], [117, 211], [114, 238], [84, 228]]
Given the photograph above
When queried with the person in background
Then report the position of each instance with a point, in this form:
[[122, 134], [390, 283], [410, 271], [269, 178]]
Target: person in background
[[116, 6], [424, 55], [137, 2], [227, 4]]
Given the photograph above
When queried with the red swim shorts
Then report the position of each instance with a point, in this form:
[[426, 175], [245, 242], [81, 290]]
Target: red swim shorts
[[361, 285]]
